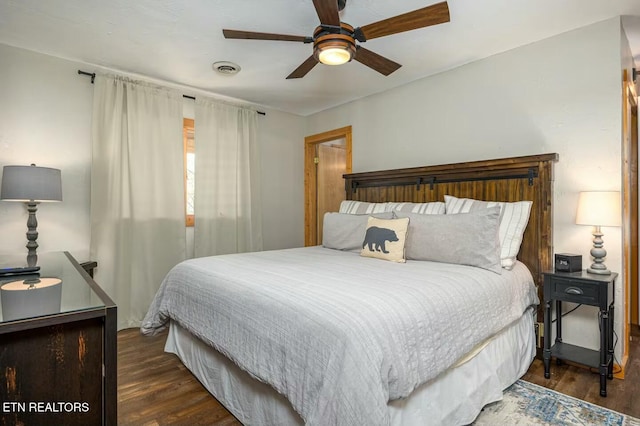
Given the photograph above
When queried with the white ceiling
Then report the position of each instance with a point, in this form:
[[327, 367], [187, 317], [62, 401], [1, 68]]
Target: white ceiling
[[178, 40]]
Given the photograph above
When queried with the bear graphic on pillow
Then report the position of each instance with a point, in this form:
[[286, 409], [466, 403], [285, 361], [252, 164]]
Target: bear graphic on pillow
[[376, 238]]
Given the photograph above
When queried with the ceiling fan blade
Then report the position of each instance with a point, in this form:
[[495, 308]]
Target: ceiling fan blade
[[374, 61], [327, 12], [303, 69], [263, 36], [430, 15]]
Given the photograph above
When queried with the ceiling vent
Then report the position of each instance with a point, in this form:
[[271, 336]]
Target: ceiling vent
[[226, 68]]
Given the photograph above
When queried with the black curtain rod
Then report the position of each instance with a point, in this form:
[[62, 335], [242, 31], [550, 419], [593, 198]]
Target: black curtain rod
[[90, 74], [93, 78]]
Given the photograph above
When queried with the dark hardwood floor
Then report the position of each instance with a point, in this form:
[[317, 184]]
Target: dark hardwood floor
[[154, 388], [583, 383]]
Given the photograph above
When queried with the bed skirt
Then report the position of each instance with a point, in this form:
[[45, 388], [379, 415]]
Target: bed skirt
[[455, 397]]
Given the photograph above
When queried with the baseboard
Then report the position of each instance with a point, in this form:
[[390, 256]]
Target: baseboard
[[620, 368]]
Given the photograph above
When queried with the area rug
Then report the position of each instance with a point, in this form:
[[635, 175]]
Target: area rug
[[527, 404]]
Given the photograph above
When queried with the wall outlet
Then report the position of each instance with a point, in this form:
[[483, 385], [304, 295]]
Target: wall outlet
[[539, 329]]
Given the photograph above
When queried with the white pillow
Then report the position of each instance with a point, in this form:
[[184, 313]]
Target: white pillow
[[361, 207], [513, 221]]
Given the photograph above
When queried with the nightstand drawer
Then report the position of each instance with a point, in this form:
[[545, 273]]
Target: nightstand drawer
[[575, 291]]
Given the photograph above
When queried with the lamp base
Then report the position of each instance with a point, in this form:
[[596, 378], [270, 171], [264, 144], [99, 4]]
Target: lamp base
[[604, 271], [598, 253], [32, 233]]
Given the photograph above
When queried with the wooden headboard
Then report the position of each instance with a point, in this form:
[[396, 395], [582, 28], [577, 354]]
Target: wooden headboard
[[506, 179]]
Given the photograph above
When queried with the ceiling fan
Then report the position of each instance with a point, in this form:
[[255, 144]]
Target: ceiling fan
[[334, 42]]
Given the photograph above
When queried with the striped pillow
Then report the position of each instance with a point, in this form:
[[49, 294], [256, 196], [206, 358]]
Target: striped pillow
[[513, 221], [434, 207], [361, 207]]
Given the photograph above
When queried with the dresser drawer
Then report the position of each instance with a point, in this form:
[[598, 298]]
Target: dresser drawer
[[575, 291]]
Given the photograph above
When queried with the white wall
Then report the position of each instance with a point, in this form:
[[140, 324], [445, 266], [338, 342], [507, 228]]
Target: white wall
[[282, 153], [562, 95], [45, 118]]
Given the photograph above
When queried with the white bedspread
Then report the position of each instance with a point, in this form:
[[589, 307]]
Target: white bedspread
[[338, 334]]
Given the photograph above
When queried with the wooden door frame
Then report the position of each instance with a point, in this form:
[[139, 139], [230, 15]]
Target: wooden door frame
[[635, 230], [630, 213], [311, 178]]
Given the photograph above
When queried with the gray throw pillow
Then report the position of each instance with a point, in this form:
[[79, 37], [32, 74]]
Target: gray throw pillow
[[341, 231], [465, 239], [514, 217]]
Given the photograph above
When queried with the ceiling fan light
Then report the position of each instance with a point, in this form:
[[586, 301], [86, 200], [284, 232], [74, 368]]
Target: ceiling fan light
[[334, 56], [334, 49]]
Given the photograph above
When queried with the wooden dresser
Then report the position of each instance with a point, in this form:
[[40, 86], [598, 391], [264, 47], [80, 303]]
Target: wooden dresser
[[58, 347]]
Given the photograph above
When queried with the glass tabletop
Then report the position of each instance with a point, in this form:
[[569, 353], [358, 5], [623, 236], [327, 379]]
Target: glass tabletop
[[58, 287]]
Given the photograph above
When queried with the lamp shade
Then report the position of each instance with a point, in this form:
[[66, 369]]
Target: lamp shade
[[599, 208], [31, 183], [21, 299]]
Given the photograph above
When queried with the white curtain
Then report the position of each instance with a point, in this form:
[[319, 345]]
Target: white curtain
[[137, 191], [227, 184]]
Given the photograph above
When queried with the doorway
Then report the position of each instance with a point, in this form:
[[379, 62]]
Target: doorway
[[327, 156], [630, 212]]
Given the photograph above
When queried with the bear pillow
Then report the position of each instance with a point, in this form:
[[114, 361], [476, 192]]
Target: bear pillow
[[384, 239]]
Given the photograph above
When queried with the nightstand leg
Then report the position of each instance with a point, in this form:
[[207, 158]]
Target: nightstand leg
[[558, 321], [546, 352], [604, 351], [558, 326]]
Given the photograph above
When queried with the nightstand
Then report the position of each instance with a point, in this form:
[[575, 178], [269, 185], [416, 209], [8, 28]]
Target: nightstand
[[587, 289]]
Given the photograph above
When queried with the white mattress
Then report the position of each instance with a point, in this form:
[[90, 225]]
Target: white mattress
[[455, 397]]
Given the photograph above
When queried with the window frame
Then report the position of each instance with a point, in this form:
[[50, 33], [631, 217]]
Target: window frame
[[188, 146]]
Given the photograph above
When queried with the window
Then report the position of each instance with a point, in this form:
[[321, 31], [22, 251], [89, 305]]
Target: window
[[189, 150]]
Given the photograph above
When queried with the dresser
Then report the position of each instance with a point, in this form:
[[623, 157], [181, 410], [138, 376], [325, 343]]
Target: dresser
[[58, 346]]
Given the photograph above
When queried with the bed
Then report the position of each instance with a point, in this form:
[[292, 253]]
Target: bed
[[333, 337]]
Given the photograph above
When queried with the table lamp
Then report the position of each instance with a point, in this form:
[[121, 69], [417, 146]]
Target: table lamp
[[31, 185], [598, 208]]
